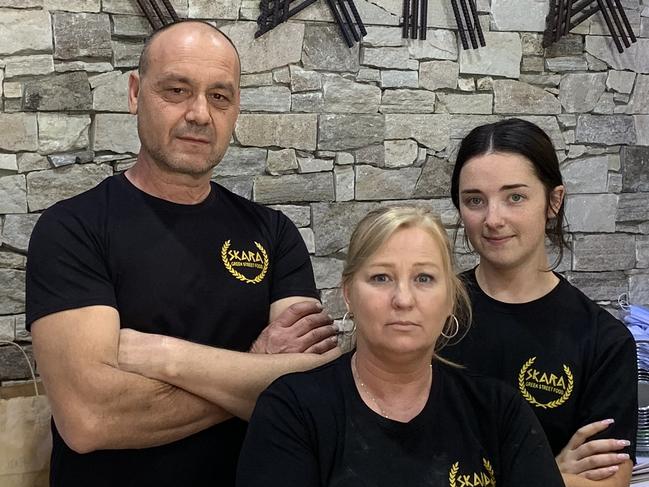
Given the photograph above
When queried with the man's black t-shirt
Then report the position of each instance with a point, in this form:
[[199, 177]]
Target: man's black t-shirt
[[206, 273], [312, 429], [571, 360]]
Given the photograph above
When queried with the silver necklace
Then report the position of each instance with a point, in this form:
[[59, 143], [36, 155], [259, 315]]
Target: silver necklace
[[364, 387], [369, 394]]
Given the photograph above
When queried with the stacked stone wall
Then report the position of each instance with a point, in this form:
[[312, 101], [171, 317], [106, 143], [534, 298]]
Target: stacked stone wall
[[326, 132]]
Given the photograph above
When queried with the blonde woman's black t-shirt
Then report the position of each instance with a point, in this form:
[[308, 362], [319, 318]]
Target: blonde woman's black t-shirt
[[570, 359], [206, 273], [312, 429]]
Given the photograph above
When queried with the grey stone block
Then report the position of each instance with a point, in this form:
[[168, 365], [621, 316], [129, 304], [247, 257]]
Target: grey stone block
[[11, 260], [111, 95], [344, 96], [126, 54], [435, 180], [642, 251], [293, 188], [69, 91], [17, 229], [12, 299], [333, 224], [434, 75], [241, 185], [13, 194], [633, 208], [266, 99], [80, 35], [13, 365], [374, 155], [588, 175], [430, 130], [241, 161], [327, 272], [600, 286], [116, 132], [635, 161], [298, 214], [281, 162], [408, 101], [605, 129], [580, 92], [591, 213], [37, 64], [296, 131], [500, 57], [603, 252], [639, 102], [639, 289], [345, 183], [58, 132], [384, 184], [439, 44], [514, 97], [323, 50], [341, 132], [25, 31], [18, 132], [44, 188]]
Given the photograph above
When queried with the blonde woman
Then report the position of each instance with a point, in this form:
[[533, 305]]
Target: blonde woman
[[390, 413]]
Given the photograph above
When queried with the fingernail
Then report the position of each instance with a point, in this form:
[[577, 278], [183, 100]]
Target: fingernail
[[622, 456], [623, 442], [608, 421], [318, 305]]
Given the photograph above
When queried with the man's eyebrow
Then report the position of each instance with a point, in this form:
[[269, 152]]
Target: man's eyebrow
[[223, 85]]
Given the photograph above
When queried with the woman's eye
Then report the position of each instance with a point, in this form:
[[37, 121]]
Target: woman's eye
[[379, 278], [517, 198], [425, 278], [473, 201]]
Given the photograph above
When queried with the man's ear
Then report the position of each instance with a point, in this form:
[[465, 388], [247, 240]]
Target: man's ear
[[555, 201], [133, 91]]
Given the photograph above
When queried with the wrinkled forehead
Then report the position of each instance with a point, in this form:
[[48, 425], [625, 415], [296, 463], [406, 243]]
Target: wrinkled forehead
[[194, 44]]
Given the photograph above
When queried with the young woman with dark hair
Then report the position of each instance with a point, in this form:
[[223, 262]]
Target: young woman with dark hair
[[571, 360]]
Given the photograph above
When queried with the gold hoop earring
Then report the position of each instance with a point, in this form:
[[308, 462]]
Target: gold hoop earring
[[455, 331], [348, 332]]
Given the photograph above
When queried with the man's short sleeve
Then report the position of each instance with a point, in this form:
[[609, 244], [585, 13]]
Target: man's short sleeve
[[66, 265], [292, 274]]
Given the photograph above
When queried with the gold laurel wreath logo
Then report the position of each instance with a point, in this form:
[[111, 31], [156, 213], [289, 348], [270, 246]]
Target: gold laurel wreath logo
[[453, 473], [552, 404], [237, 274], [490, 471]]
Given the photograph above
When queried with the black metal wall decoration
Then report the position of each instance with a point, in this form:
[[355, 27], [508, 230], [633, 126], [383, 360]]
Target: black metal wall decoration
[[158, 12], [345, 13], [565, 15], [415, 19]]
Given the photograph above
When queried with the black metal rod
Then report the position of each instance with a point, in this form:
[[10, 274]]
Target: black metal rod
[[626, 21], [170, 9], [476, 19], [460, 25], [276, 17], [469, 24], [150, 14], [609, 24], [557, 32], [341, 24], [406, 18], [617, 22], [423, 19], [568, 17], [584, 16], [285, 6], [414, 19], [159, 13], [359, 21], [348, 20]]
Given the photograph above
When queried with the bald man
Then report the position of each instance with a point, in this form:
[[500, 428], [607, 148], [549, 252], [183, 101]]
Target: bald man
[[161, 252]]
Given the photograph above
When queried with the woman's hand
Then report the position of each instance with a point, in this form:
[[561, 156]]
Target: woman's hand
[[596, 459]]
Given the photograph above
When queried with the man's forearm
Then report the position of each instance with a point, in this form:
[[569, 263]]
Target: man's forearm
[[131, 411], [233, 380]]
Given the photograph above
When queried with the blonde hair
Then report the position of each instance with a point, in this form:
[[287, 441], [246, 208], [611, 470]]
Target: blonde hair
[[379, 225]]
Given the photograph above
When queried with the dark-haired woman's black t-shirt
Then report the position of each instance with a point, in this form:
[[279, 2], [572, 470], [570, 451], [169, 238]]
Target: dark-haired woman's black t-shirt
[[571, 360], [312, 429]]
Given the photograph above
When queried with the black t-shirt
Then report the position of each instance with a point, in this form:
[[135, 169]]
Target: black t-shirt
[[313, 429], [570, 359], [206, 273]]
